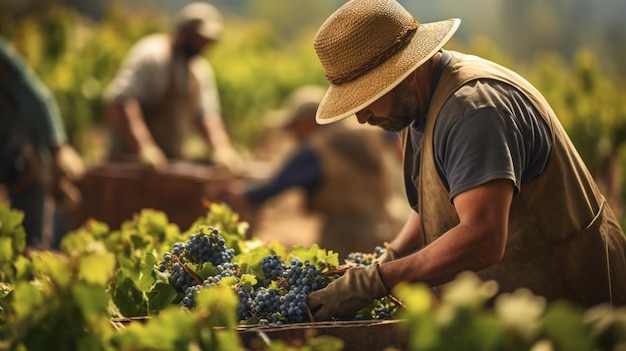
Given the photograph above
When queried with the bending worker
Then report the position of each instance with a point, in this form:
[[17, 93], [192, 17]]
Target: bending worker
[[164, 85], [495, 183], [344, 175]]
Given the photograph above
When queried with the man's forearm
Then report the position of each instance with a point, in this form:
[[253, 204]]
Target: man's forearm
[[410, 238]]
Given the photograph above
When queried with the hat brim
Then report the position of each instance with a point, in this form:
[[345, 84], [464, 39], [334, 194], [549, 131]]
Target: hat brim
[[346, 99]]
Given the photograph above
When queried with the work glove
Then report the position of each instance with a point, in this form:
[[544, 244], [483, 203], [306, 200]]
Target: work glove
[[389, 255], [152, 156], [68, 163], [346, 295]]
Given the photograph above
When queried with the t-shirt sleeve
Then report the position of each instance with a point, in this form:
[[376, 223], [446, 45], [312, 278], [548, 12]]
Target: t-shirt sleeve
[[137, 76], [481, 146], [209, 96], [303, 169]]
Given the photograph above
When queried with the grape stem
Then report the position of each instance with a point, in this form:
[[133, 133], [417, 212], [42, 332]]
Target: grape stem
[[190, 272]]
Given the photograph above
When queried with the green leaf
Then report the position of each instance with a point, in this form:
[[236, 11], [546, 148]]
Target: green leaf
[[146, 268], [93, 300], [219, 304], [56, 267], [97, 268], [26, 298], [563, 323], [6, 249], [160, 296], [172, 329], [130, 300], [248, 279]]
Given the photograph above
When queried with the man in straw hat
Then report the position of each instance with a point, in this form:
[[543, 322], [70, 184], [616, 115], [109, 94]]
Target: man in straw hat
[[494, 181], [165, 84]]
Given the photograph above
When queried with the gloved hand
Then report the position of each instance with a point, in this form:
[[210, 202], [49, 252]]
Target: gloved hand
[[346, 295], [389, 255], [68, 163], [152, 156]]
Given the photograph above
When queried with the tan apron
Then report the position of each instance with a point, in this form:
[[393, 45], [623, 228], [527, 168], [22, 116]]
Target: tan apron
[[169, 116], [354, 191], [563, 239]]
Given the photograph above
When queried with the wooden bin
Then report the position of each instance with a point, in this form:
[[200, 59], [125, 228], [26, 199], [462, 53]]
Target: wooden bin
[[114, 192], [370, 335]]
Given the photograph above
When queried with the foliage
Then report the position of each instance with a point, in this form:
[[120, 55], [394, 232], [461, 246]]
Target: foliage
[[79, 299]]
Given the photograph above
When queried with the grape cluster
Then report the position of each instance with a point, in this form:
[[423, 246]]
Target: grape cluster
[[365, 259], [224, 270], [212, 248], [383, 308], [279, 296], [198, 250], [285, 301]]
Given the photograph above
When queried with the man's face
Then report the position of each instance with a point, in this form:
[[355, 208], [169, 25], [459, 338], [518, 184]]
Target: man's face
[[194, 43], [394, 111]]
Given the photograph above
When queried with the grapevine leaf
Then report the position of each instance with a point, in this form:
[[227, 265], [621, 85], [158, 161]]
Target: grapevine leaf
[[54, 266], [207, 270], [565, 326], [221, 304], [93, 300], [160, 296], [248, 279], [26, 298], [129, 299], [170, 330], [6, 249], [97, 268], [147, 277]]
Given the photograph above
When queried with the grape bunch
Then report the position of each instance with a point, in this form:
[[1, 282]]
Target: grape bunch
[[223, 270], [198, 250], [283, 296], [280, 297], [364, 259], [383, 308]]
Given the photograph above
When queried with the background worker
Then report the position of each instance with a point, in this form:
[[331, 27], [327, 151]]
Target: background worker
[[344, 173], [495, 183], [38, 167], [162, 87]]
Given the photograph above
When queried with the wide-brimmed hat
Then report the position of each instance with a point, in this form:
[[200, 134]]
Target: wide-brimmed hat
[[204, 17], [367, 47]]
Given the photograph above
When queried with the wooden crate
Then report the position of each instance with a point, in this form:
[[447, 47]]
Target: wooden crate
[[114, 192], [371, 335]]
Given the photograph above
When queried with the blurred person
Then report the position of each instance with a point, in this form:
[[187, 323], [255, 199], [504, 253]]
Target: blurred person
[[343, 173], [495, 184], [165, 84], [36, 161]]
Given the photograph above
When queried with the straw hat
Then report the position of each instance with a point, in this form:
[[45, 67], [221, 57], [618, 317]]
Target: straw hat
[[203, 16], [367, 47]]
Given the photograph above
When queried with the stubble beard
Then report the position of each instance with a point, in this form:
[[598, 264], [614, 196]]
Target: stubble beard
[[404, 109]]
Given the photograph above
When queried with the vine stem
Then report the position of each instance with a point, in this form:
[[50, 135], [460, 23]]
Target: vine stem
[[190, 272]]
